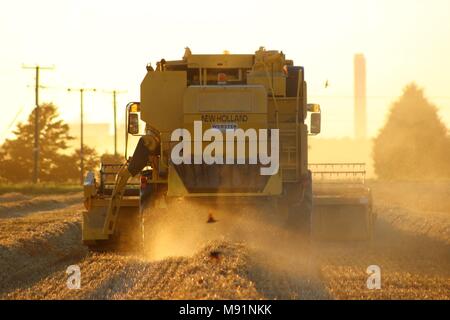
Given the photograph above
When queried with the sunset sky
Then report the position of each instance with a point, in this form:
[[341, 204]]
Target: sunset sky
[[106, 45]]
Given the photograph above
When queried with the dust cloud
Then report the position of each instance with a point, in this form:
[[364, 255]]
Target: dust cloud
[[278, 261]]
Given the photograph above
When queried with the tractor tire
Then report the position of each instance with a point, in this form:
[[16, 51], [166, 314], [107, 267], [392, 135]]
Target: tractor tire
[[101, 246], [300, 212]]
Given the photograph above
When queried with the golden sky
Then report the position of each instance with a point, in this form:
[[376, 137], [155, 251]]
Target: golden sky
[[106, 45]]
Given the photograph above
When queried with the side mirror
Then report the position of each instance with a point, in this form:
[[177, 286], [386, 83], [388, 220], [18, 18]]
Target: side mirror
[[315, 122], [133, 123], [133, 110]]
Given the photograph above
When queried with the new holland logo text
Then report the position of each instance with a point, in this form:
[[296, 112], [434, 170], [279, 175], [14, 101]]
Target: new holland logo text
[[227, 140]]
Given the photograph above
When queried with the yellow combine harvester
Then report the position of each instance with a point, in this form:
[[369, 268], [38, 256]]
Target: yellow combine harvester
[[233, 93]]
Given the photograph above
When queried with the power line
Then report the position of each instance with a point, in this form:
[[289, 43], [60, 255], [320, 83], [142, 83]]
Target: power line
[[81, 90], [37, 69], [8, 128]]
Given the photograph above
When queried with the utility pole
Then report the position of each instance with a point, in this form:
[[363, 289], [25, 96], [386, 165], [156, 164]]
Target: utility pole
[[37, 130], [81, 90], [115, 93]]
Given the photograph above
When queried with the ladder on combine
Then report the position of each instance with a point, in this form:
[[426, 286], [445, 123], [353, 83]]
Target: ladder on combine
[[289, 155], [287, 114], [289, 125]]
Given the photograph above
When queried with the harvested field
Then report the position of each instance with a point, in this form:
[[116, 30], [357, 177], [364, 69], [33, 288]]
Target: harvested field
[[17, 204], [40, 238]]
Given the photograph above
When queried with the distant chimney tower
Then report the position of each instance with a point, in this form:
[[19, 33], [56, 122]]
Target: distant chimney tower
[[360, 97]]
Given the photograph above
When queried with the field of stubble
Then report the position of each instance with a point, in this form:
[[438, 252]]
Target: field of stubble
[[40, 238]]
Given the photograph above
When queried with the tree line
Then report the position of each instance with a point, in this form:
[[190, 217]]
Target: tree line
[[56, 162]]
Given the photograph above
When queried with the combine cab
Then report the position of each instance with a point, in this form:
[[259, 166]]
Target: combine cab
[[342, 202]]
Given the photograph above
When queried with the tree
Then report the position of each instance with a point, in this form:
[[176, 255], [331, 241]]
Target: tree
[[16, 156], [113, 158], [68, 166], [414, 143]]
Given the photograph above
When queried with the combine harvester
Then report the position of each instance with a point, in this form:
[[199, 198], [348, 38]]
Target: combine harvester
[[264, 92]]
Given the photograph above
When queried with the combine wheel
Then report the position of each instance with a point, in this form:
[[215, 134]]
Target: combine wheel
[[300, 210]]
